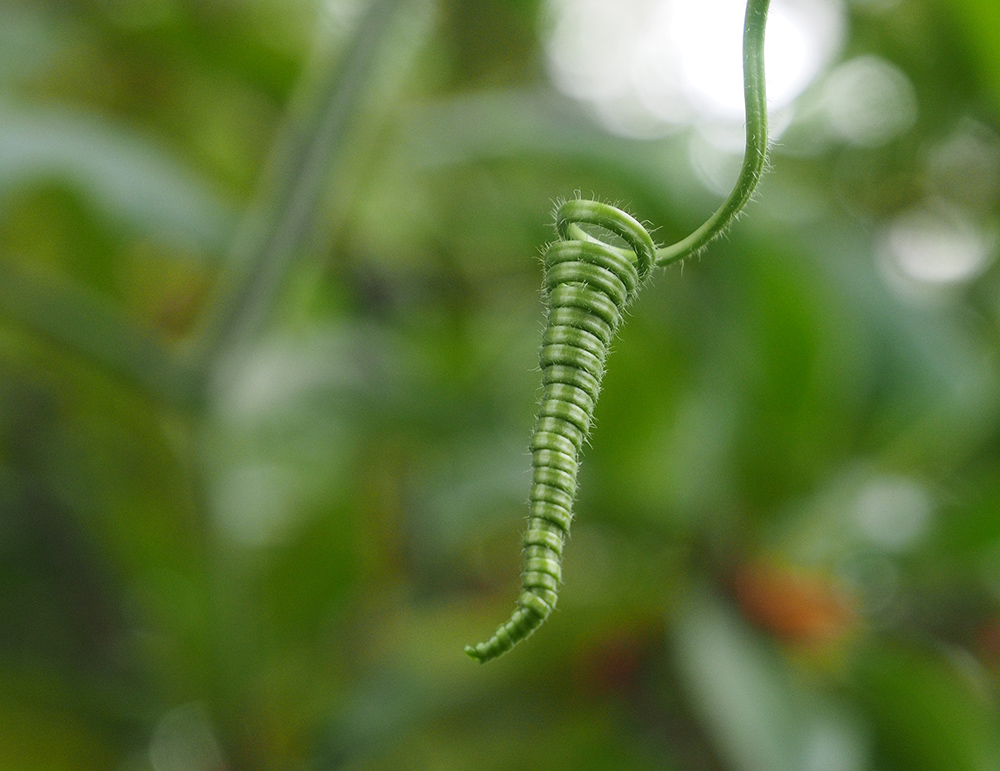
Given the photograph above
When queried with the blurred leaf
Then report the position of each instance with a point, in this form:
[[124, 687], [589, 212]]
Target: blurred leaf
[[90, 327], [29, 37], [128, 178], [739, 687], [979, 21], [540, 124], [929, 716], [35, 740]]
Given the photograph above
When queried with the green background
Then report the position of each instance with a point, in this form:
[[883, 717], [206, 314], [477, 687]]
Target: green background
[[263, 475]]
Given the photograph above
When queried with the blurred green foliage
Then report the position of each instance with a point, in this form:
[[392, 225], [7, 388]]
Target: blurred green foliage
[[263, 474]]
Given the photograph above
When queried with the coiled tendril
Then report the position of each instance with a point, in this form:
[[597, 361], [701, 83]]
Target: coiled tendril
[[588, 285]]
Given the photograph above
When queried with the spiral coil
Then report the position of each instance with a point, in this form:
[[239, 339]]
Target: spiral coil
[[588, 284]]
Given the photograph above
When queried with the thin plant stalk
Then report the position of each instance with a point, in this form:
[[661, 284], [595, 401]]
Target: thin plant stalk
[[755, 154], [279, 226]]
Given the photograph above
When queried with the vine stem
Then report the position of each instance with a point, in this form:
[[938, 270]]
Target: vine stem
[[755, 154]]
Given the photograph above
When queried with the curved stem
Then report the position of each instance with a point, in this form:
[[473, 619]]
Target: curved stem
[[755, 155]]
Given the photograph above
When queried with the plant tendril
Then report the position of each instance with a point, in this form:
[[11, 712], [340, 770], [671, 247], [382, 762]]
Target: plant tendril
[[588, 285], [755, 154]]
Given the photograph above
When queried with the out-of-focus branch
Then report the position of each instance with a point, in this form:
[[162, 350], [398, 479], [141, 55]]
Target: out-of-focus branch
[[280, 224]]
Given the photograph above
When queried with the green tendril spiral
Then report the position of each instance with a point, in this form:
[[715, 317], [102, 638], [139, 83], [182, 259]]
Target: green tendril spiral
[[588, 284]]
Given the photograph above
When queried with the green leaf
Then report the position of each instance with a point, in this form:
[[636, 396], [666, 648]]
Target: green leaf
[[979, 20], [928, 715], [129, 178], [739, 688]]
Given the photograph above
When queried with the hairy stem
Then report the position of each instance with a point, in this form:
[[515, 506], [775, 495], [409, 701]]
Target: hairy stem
[[755, 155]]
